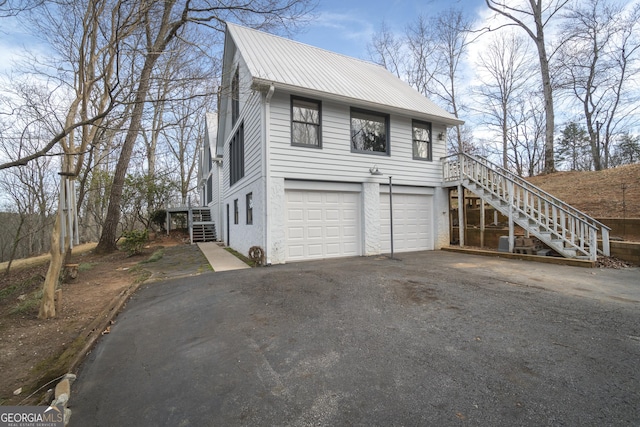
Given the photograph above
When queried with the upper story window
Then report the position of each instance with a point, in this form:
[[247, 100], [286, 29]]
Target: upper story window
[[305, 122], [369, 132], [421, 140], [235, 96], [236, 156]]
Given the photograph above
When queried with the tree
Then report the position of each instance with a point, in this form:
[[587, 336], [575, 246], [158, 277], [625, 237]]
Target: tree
[[533, 16], [628, 149], [596, 62], [504, 73], [386, 49], [573, 146], [162, 23]]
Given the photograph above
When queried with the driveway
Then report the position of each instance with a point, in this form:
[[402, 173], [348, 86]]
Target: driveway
[[434, 338]]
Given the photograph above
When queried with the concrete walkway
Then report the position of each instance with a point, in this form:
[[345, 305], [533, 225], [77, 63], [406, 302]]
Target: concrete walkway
[[220, 259]]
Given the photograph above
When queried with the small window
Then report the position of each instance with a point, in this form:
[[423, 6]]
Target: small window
[[369, 132], [421, 140], [236, 212], [235, 96], [305, 122], [250, 208]]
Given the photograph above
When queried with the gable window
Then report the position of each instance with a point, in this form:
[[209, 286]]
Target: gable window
[[236, 156], [305, 122], [236, 212], [421, 140], [250, 208], [369, 132], [235, 97]]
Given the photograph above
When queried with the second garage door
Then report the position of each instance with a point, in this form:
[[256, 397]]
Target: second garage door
[[412, 222], [322, 224]]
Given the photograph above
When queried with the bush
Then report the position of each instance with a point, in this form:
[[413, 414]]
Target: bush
[[134, 241], [159, 218]]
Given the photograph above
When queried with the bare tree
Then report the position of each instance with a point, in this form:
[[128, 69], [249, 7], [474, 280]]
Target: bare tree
[[163, 23], [437, 47], [534, 16], [387, 50], [597, 64], [504, 73]]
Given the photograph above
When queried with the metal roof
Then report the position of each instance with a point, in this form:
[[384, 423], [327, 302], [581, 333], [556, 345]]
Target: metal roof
[[297, 66]]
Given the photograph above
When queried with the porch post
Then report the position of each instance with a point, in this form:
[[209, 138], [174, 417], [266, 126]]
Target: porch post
[[460, 215]]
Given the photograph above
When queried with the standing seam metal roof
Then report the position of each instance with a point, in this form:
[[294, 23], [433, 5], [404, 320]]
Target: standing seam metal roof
[[276, 59]]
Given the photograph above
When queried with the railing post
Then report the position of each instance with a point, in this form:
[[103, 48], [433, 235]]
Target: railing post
[[511, 227], [605, 241]]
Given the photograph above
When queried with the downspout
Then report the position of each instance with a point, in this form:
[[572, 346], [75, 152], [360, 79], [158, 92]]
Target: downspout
[[267, 173]]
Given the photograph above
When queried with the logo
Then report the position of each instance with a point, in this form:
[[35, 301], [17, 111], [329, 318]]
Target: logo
[[32, 416]]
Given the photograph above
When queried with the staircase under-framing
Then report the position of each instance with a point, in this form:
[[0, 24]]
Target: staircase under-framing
[[201, 227], [561, 227]]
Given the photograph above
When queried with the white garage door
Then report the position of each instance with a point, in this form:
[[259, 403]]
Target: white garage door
[[412, 219], [322, 224]]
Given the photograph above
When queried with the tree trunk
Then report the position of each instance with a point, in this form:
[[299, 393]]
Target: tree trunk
[[47, 304]]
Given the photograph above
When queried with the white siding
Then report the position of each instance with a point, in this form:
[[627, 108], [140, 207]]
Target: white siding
[[335, 161]]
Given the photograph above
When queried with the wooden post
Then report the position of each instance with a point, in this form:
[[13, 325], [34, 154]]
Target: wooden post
[[58, 298], [461, 215]]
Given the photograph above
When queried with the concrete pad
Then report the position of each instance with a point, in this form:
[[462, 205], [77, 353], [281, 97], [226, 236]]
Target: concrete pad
[[220, 259]]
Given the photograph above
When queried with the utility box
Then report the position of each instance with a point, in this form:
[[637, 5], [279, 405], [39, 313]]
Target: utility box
[[503, 244]]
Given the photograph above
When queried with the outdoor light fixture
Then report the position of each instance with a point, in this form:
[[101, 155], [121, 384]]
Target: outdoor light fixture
[[374, 171], [441, 136]]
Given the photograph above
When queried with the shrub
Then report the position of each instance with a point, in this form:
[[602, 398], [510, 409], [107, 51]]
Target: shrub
[[134, 241]]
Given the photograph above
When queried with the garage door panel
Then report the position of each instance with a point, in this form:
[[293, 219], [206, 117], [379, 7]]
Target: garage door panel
[[411, 222], [329, 220]]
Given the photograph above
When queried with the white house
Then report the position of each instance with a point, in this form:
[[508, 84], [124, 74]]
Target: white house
[[289, 160]]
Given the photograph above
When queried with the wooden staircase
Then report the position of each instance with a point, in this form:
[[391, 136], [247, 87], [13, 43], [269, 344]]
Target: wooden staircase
[[201, 227], [558, 225]]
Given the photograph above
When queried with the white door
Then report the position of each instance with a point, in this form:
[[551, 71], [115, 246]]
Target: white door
[[322, 224], [412, 222]]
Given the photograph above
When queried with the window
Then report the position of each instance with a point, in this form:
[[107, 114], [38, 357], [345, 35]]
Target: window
[[236, 156], [421, 140], [236, 213], [369, 132], [305, 122], [235, 97], [250, 208]]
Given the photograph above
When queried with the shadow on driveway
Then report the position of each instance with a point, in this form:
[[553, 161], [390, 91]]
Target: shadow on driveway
[[435, 338]]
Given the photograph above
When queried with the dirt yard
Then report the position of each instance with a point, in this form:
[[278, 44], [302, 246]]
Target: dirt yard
[[30, 348]]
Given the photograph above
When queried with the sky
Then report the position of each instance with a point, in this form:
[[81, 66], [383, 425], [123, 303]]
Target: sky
[[347, 26]]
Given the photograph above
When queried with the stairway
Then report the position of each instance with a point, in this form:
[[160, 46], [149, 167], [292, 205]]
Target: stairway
[[561, 227], [203, 229]]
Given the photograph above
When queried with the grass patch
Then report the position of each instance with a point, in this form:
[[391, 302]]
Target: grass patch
[[155, 257], [30, 305], [86, 266], [21, 287], [241, 257]]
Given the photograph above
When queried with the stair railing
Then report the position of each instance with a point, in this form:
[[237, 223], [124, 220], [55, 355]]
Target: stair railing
[[551, 214]]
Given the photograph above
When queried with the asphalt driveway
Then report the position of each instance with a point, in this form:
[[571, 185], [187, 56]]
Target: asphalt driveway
[[435, 338]]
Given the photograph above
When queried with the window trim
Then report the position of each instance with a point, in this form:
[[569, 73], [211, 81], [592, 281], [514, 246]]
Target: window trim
[[429, 158], [249, 208], [387, 125], [319, 104]]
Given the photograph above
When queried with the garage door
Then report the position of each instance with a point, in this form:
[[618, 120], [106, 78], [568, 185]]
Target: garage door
[[322, 224], [412, 219]]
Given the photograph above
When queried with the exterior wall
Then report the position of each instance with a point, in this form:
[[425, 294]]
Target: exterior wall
[[277, 217], [441, 218], [242, 235], [335, 161]]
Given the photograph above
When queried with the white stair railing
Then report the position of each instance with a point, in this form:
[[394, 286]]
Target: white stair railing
[[562, 227]]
